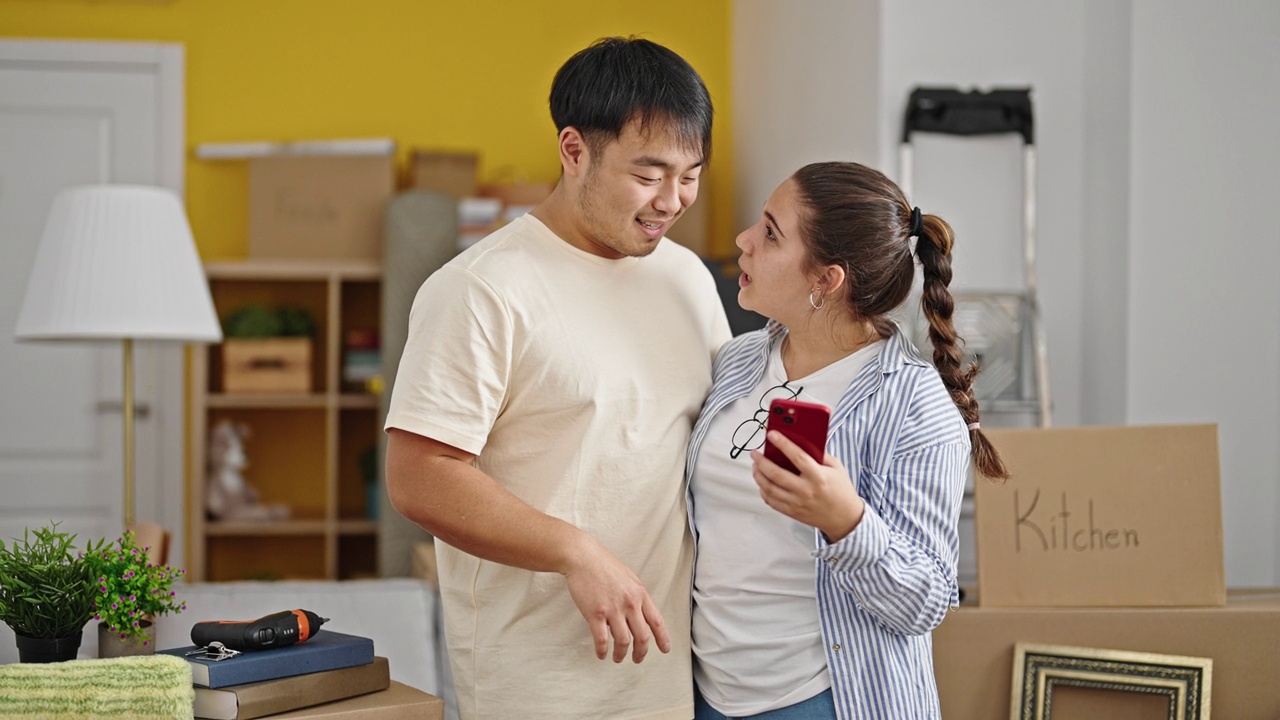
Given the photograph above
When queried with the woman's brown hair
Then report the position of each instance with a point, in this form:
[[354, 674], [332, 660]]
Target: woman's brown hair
[[857, 218]]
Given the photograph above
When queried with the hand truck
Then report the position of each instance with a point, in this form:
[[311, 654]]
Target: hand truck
[[1002, 330]]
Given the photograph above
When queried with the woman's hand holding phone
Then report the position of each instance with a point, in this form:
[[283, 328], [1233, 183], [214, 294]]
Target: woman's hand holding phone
[[820, 494]]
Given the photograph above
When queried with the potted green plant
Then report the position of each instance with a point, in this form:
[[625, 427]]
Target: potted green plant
[[46, 593], [129, 592]]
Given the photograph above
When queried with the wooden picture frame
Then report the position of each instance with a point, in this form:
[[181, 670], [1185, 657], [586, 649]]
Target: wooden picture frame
[[1037, 669]]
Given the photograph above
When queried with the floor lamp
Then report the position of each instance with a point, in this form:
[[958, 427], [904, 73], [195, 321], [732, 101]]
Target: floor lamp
[[118, 262]]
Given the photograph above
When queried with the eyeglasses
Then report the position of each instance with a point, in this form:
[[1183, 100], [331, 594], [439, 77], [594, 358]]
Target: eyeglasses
[[750, 433]]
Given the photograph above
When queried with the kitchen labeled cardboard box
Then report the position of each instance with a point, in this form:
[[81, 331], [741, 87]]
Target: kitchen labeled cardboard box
[[319, 206], [1102, 517], [398, 702], [973, 655]]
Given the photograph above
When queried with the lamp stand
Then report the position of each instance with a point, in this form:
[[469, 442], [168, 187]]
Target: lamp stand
[[128, 432], [154, 539]]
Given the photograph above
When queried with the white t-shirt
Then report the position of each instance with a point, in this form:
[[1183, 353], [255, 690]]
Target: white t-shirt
[[576, 381], [756, 637]]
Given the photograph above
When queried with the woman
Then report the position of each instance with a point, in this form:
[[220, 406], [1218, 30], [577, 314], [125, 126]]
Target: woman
[[815, 592]]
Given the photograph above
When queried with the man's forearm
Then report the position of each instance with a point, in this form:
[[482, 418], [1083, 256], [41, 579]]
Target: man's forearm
[[470, 511]]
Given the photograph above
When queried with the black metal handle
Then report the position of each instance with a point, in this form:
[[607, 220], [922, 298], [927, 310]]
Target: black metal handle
[[950, 111]]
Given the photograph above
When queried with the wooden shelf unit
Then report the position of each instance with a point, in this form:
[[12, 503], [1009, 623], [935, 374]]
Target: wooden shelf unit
[[303, 449]]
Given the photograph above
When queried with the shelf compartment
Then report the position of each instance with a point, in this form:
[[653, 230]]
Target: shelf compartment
[[359, 321], [357, 463], [298, 557], [357, 557], [309, 295], [286, 462]]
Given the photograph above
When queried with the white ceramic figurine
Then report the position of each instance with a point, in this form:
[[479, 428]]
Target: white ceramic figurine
[[228, 495]]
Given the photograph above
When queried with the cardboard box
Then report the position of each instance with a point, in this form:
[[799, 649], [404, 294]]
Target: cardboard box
[[973, 655], [266, 365], [1102, 517], [398, 702], [319, 206], [517, 194], [451, 173]]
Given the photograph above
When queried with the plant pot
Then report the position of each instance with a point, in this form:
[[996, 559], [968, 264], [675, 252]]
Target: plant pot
[[47, 650], [110, 645]]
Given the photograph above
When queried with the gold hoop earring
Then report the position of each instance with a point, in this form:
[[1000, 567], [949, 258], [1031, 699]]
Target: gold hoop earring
[[814, 305]]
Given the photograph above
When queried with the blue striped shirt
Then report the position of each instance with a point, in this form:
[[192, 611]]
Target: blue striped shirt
[[885, 586]]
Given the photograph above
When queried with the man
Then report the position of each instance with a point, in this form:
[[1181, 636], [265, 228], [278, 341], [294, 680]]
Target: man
[[543, 406]]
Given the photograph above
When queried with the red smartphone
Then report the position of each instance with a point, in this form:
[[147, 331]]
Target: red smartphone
[[803, 423]]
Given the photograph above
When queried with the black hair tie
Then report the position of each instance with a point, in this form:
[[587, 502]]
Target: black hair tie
[[917, 223]]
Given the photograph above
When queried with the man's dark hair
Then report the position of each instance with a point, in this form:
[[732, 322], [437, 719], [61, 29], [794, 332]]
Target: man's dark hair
[[616, 80]]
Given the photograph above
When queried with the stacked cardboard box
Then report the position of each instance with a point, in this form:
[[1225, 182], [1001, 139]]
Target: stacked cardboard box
[[973, 655], [1106, 538]]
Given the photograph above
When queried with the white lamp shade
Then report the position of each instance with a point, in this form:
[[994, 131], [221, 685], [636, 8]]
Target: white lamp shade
[[117, 261]]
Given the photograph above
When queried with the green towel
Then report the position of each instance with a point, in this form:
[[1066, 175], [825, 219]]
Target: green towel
[[142, 687]]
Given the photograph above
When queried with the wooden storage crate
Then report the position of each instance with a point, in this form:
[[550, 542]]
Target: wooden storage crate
[[266, 365]]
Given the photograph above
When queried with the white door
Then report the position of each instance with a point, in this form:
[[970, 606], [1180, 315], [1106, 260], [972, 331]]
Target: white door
[[74, 113]]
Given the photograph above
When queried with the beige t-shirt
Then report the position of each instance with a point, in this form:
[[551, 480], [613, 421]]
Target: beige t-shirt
[[576, 381]]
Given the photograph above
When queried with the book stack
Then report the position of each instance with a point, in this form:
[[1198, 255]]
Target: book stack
[[330, 666]]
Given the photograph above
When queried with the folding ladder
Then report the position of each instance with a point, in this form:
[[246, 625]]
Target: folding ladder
[[1002, 330]]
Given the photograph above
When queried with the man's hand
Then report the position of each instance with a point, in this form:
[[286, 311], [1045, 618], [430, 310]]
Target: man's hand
[[614, 603]]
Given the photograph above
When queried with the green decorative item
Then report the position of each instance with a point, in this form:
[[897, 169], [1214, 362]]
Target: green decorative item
[[368, 462], [296, 322], [130, 591], [46, 593], [252, 321], [260, 321]]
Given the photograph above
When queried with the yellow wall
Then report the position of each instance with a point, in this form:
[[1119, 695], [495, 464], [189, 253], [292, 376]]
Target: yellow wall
[[462, 75]]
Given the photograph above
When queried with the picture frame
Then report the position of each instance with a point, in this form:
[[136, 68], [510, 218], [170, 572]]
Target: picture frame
[[1184, 681]]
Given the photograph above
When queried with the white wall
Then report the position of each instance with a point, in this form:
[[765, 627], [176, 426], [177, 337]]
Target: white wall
[[1204, 308], [1104, 291], [1159, 164], [792, 85], [976, 183]]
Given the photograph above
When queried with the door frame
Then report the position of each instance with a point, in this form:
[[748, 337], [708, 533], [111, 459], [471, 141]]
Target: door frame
[[160, 499]]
